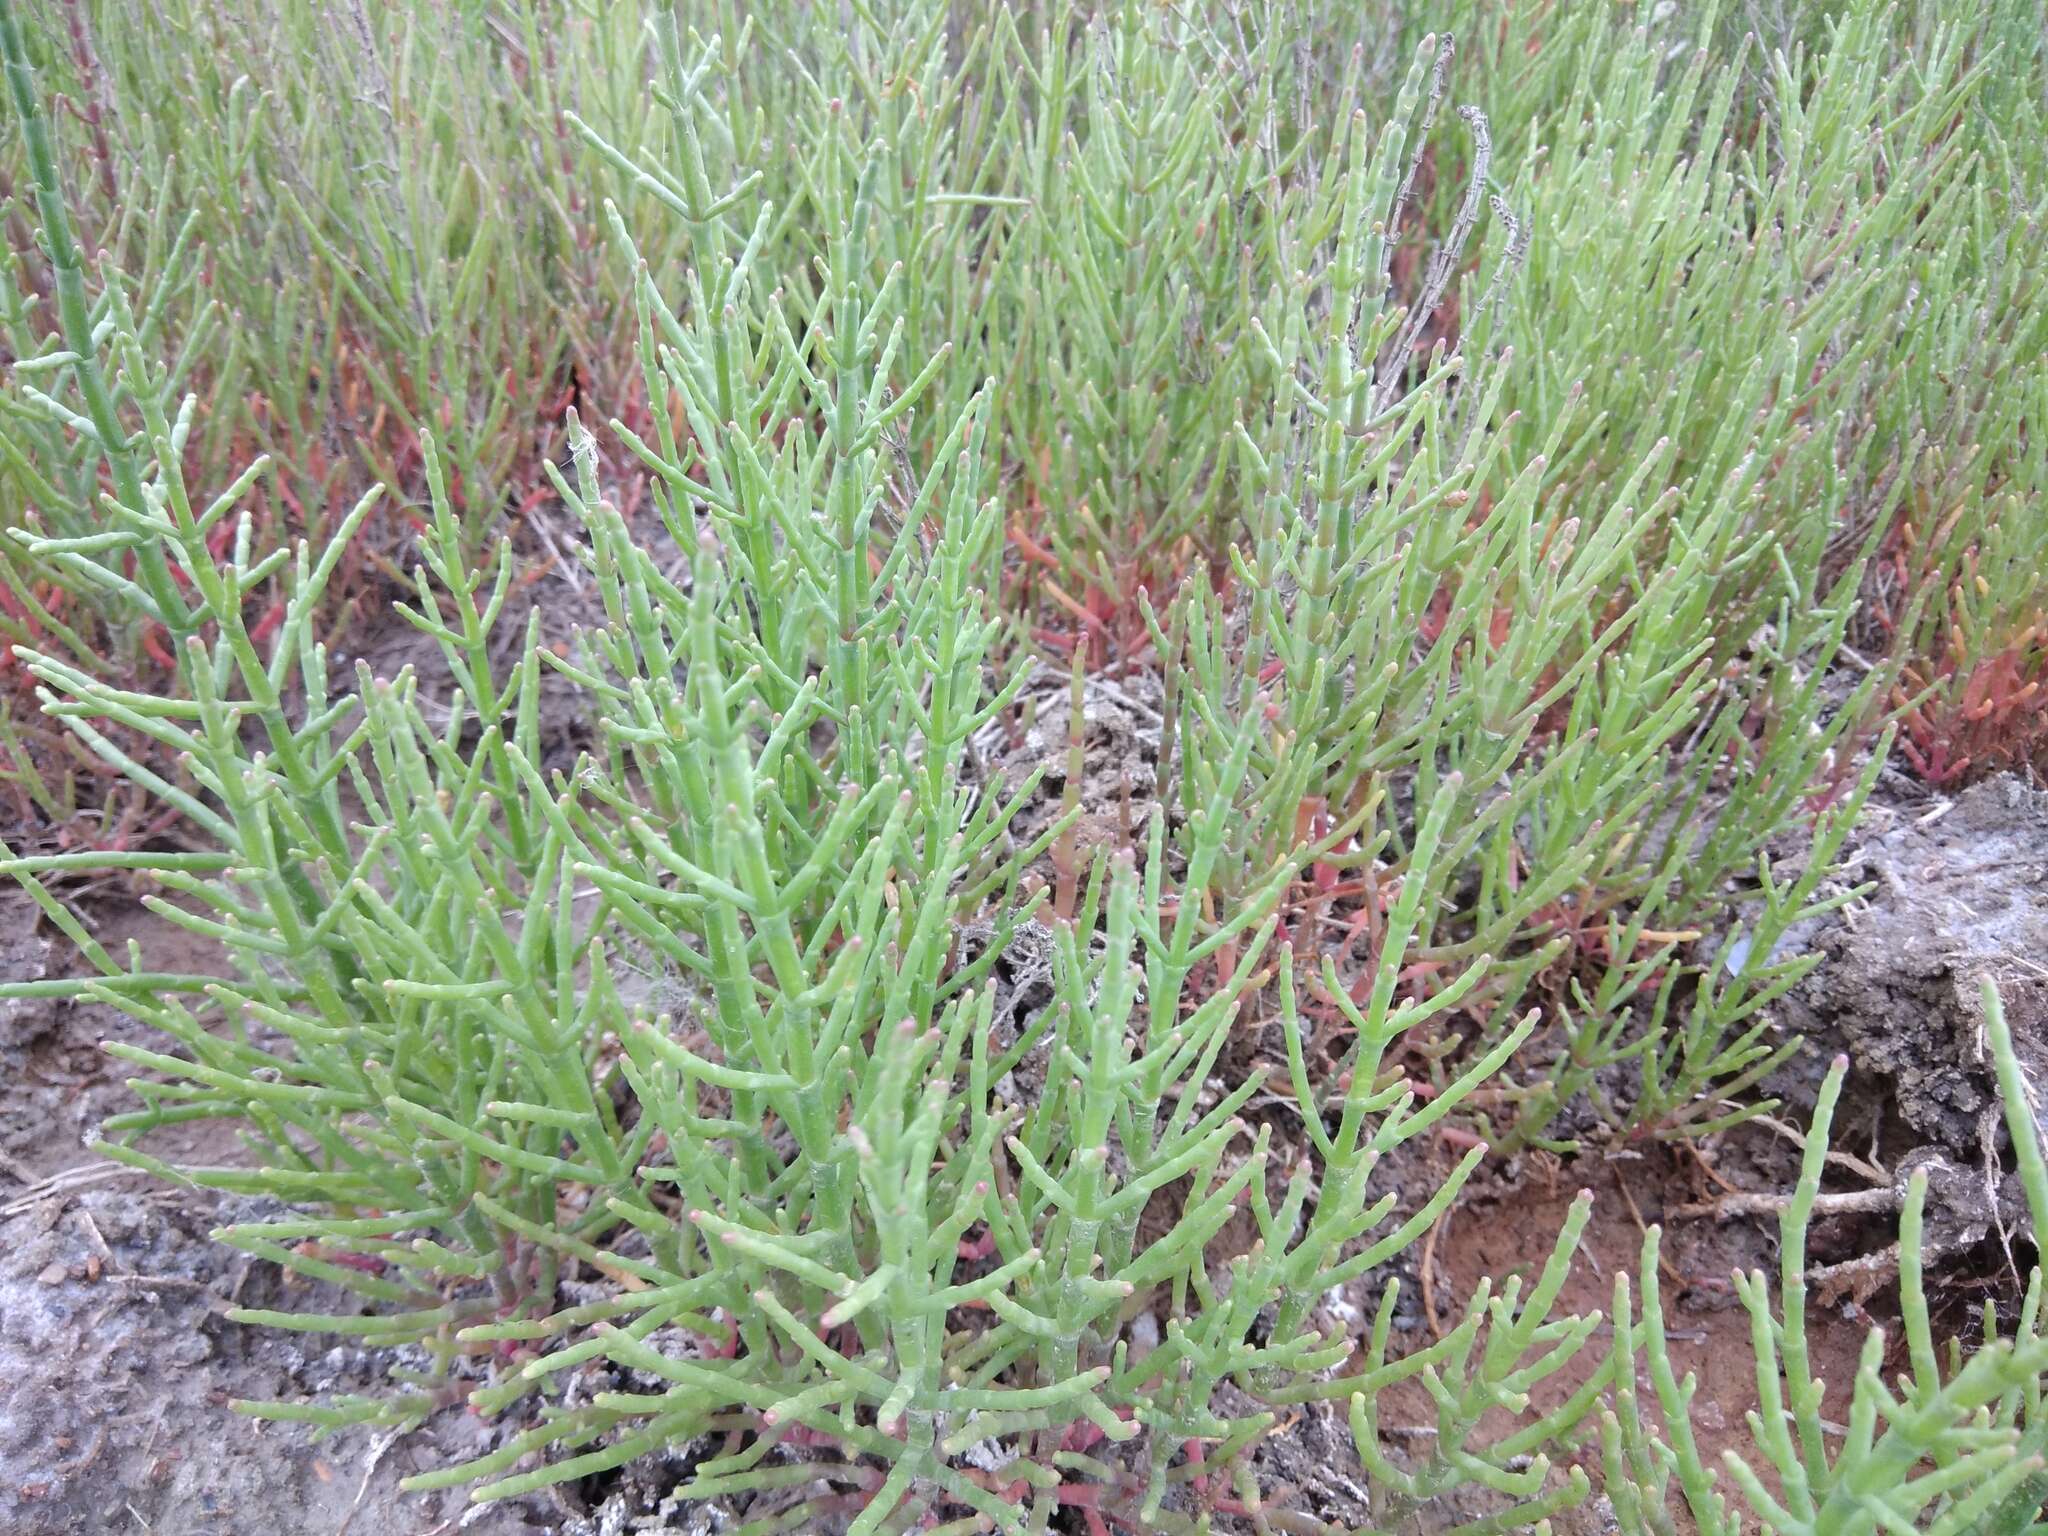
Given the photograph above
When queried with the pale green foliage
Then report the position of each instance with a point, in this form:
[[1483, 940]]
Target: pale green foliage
[[1515, 644]]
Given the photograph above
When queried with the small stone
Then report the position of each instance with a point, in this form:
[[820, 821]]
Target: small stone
[[54, 1274]]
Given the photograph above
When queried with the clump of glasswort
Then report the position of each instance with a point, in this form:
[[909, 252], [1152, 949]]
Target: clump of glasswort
[[663, 1095]]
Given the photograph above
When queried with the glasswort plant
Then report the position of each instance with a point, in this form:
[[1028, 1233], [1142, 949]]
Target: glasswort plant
[[678, 1087]]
